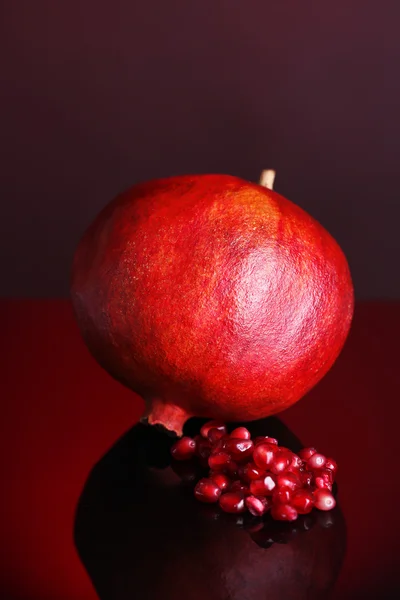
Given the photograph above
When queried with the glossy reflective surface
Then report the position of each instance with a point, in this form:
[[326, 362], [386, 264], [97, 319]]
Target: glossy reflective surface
[[140, 533], [60, 413]]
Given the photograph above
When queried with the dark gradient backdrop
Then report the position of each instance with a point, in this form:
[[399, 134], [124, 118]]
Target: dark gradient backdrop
[[97, 95]]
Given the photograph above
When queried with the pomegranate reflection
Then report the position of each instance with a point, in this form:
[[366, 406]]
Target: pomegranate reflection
[[141, 534]]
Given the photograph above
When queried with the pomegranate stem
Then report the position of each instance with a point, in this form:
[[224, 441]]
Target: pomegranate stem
[[267, 178]]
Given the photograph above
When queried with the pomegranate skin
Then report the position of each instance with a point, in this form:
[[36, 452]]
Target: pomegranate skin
[[211, 296]]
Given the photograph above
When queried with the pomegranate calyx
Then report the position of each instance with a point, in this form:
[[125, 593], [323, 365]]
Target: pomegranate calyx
[[165, 414]]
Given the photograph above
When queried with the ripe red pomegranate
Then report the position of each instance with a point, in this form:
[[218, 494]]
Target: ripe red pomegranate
[[211, 296]]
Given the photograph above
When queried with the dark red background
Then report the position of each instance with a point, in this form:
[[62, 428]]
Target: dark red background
[[61, 413], [97, 95]]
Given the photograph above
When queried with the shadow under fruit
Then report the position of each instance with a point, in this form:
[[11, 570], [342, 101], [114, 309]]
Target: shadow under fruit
[[141, 534]]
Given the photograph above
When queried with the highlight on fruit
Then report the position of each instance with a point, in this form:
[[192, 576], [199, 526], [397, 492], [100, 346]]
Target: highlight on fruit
[[211, 296]]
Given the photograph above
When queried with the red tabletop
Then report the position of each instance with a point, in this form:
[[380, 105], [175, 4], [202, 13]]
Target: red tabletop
[[61, 413]]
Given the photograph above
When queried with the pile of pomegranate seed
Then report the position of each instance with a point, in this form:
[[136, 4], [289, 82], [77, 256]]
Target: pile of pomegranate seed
[[258, 476]]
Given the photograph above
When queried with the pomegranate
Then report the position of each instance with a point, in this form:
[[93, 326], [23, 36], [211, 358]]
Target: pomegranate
[[211, 296]]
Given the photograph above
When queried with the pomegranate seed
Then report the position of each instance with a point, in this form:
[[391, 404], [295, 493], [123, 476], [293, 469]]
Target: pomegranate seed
[[264, 454], [219, 461], [331, 465], [316, 461], [296, 463], [232, 469], [220, 444], [214, 435], [207, 491], [283, 512], [240, 449], [212, 425], [306, 453], [324, 500], [282, 495], [232, 502], [241, 433], [302, 501], [280, 462], [257, 506], [321, 484], [222, 480], [263, 487], [203, 448], [306, 478], [184, 448], [323, 478], [252, 472], [288, 479], [265, 439], [240, 487]]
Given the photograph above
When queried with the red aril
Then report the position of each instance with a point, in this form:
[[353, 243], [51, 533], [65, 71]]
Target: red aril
[[207, 491], [184, 448], [331, 465], [265, 439], [283, 512], [240, 449], [296, 463], [222, 480], [263, 487], [323, 479], [214, 435], [263, 455], [251, 472], [316, 461], [239, 487], [232, 502], [280, 462], [241, 433], [288, 479], [282, 495], [306, 478], [180, 290], [219, 461], [324, 500], [306, 453], [257, 506], [204, 431], [220, 444], [302, 501]]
